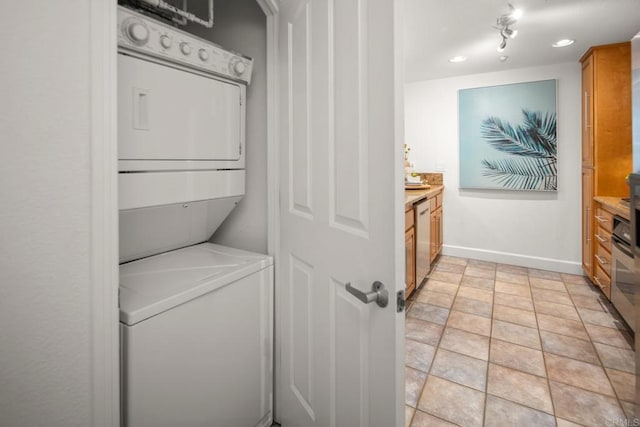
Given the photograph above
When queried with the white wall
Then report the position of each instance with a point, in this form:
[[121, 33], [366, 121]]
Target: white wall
[[533, 229], [240, 25], [45, 215]]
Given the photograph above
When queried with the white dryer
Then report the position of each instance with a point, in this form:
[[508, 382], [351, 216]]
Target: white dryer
[[196, 318]]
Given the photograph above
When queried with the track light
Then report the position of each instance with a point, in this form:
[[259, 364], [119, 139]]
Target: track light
[[503, 45], [509, 33], [502, 24]]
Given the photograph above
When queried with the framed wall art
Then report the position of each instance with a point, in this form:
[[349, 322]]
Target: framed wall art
[[508, 136]]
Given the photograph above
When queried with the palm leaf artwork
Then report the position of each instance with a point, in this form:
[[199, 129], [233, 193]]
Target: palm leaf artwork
[[533, 146]]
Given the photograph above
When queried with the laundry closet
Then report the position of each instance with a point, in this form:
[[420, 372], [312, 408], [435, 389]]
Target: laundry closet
[[196, 285]]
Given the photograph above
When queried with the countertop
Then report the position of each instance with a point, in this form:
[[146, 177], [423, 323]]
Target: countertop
[[612, 204], [413, 196]]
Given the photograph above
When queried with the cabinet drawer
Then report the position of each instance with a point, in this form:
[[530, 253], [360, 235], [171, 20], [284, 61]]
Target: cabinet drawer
[[603, 281], [603, 258], [603, 237], [408, 219], [604, 219], [435, 202]]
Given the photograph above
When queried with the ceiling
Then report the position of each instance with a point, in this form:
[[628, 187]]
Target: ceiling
[[436, 30]]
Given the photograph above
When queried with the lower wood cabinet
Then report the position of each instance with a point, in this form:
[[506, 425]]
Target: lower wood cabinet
[[603, 225], [435, 237], [436, 226]]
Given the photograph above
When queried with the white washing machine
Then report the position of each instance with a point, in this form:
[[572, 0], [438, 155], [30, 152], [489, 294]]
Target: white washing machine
[[196, 337], [196, 318]]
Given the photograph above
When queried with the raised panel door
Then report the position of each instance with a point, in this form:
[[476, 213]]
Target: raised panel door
[[587, 221], [587, 112]]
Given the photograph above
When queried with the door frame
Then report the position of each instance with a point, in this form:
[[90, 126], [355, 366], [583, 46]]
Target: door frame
[[104, 316]]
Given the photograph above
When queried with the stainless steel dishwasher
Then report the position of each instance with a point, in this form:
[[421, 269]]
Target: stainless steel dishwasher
[[423, 240]]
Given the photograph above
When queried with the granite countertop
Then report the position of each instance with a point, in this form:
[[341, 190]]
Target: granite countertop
[[413, 196], [612, 204]]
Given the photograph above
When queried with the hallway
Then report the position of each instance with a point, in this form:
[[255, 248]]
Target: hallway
[[492, 344]]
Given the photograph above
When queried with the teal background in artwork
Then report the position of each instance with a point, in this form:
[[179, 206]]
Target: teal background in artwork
[[505, 102]]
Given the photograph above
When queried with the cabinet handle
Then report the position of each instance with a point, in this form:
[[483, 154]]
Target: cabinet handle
[[587, 237], [587, 125], [595, 279], [601, 239], [601, 219], [601, 261]]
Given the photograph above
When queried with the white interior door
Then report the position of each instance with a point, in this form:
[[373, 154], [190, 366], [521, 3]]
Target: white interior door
[[340, 361]]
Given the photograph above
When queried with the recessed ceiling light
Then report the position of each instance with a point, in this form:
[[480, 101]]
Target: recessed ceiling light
[[458, 59], [503, 58], [563, 43]]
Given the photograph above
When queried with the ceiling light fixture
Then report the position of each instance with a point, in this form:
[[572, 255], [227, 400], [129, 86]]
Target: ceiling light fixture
[[458, 59], [502, 24], [563, 43]]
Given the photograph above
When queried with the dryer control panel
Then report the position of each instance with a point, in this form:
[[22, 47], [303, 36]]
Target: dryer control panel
[[139, 33]]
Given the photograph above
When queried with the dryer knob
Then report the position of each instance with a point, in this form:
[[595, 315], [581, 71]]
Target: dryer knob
[[237, 66], [185, 48], [138, 32], [203, 54], [165, 41]]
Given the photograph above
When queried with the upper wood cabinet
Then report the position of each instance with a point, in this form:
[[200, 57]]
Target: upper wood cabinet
[[606, 117], [606, 134]]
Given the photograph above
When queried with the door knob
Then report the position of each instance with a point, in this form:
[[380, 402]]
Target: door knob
[[378, 294]]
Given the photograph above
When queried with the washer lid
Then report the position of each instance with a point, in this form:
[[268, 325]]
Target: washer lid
[[152, 285]]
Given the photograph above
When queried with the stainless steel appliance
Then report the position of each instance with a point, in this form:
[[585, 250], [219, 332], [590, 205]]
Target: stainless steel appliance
[[622, 273], [423, 240]]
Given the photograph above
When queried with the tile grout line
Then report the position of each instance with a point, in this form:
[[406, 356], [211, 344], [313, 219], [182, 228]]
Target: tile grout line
[[436, 347], [544, 358], [486, 393]]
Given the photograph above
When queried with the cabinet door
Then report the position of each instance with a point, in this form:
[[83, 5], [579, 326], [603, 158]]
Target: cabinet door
[[433, 236], [587, 112], [410, 254], [440, 228], [587, 221]]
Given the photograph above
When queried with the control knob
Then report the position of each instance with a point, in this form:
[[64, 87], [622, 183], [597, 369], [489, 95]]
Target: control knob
[[236, 66], [137, 32], [185, 48], [203, 55], [166, 41]]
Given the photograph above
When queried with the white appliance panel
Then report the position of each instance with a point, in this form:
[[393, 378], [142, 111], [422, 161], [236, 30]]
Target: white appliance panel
[[151, 286], [170, 114], [149, 231], [141, 190]]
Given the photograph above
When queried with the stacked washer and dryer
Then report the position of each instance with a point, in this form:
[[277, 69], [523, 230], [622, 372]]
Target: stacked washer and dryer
[[196, 317]]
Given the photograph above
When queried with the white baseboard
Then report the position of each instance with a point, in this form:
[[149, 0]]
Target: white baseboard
[[540, 263]]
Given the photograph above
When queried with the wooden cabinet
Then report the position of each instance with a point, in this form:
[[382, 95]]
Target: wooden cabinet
[[587, 221], [602, 248], [606, 139], [433, 199], [410, 251], [436, 225]]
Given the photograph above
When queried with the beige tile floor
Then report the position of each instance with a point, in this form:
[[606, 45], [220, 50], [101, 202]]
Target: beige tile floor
[[498, 345]]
